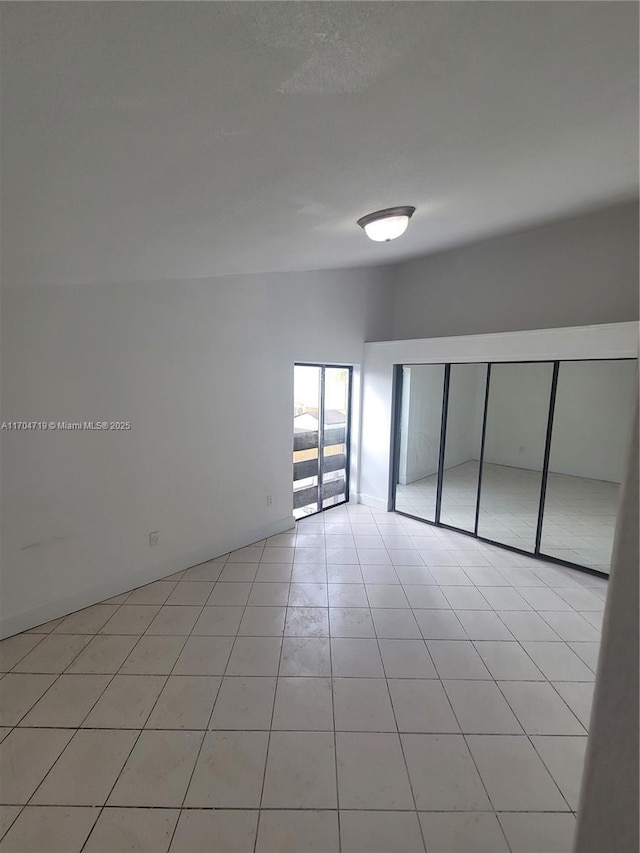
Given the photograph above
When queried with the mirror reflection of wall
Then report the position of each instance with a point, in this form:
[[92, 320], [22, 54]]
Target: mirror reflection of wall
[[420, 426], [515, 438], [591, 418], [467, 387], [588, 443]]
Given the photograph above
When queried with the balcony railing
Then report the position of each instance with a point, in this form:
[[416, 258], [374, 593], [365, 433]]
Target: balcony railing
[[307, 468]]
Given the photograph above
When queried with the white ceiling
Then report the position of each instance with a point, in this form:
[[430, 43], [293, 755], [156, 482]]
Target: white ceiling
[[185, 140]]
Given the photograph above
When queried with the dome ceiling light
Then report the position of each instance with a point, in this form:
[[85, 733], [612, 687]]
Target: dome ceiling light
[[385, 225]]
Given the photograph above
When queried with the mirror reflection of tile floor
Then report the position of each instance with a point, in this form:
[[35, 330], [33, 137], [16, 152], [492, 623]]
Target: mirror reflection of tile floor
[[579, 519], [430, 690]]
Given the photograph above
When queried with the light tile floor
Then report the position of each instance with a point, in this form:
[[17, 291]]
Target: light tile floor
[[579, 516], [364, 683]]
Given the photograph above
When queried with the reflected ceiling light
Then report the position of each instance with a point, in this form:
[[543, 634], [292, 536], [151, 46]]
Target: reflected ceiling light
[[385, 225]]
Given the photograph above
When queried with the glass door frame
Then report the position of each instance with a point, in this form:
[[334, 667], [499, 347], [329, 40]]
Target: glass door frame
[[395, 453], [321, 418]]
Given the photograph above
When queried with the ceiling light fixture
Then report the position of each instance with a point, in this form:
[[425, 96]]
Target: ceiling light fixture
[[385, 225]]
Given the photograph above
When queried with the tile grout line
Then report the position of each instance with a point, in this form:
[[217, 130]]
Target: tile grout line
[[333, 714], [142, 729], [77, 729], [392, 530], [471, 755], [273, 709], [516, 717], [31, 707], [181, 807], [397, 733]]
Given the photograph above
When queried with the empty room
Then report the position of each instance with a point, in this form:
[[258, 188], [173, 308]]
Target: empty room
[[318, 409]]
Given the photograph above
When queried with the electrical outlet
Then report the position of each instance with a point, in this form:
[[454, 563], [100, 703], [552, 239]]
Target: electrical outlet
[[269, 500], [154, 537]]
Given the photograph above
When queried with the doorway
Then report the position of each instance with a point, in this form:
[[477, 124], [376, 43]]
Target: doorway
[[321, 437]]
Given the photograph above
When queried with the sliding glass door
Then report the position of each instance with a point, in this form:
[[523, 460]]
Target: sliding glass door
[[335, 436], [321, 421], [527, 455]]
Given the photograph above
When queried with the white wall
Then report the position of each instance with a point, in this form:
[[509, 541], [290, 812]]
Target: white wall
[[573, 272], [608, 816], [204, 371], [617, 340]]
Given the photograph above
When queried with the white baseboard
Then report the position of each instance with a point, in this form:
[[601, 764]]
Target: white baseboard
[[17, 622], [375, 503]]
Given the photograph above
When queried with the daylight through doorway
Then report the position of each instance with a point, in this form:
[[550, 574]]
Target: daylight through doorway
[[321, 426]]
